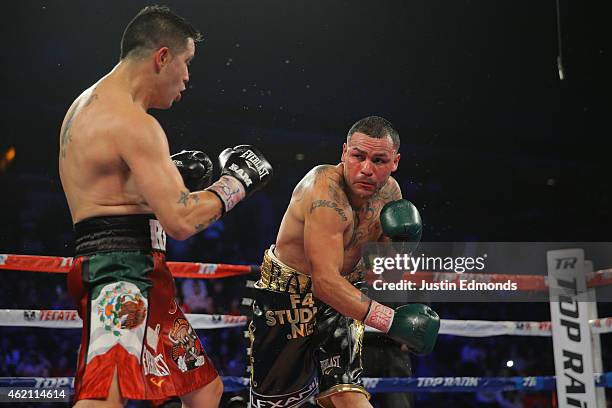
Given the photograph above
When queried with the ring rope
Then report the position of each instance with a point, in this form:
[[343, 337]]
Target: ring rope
[[69, 319], [373, 385], [198, 270], [466, 328], [57, 264]]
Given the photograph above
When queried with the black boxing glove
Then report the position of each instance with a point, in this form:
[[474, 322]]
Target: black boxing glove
[[195, 167], [244, 170]]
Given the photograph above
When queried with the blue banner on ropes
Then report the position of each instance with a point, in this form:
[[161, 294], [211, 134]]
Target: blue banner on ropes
[[373, 385]]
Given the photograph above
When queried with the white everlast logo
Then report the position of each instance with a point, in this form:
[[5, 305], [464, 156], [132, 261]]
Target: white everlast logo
[[252, 157], [333, 361], [241, 173]]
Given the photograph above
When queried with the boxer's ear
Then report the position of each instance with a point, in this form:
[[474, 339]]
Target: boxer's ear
[[344, 150], [396, 162], [161, 57]]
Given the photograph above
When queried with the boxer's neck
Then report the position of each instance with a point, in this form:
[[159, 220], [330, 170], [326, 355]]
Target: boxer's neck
[[357, 202], [135, 77]]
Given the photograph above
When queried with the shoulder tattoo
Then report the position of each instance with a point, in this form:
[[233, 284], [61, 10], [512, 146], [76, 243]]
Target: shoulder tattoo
[[329, 204]]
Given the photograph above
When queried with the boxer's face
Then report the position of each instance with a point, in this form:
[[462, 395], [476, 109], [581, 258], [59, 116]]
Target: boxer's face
[[173, 74], [368, 162]]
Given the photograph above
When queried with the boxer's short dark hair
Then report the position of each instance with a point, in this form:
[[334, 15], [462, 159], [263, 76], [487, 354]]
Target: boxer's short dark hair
[[155, 27], [376, 127]]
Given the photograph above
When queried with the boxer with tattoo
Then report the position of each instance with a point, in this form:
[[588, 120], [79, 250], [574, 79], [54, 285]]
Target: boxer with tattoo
[[124, 192], [309, 314]]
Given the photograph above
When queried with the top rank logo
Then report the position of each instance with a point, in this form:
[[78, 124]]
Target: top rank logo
[[206, 268], [566, 263], [66, 262]]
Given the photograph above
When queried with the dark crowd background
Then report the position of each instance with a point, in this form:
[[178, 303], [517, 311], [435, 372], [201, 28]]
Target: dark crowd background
[[495, 147]]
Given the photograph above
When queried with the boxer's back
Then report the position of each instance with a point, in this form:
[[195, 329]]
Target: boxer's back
[[95, 179]]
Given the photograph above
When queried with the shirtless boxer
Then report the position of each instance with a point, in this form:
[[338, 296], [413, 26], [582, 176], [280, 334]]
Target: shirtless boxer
[[307, 328], [124, 191]]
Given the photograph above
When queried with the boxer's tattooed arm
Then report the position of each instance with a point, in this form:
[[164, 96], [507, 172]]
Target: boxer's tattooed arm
[[183, 198], [327, 182], [337, 194], [201, 227], [298, 193], [214, 219], [328, 204], [335, 184]]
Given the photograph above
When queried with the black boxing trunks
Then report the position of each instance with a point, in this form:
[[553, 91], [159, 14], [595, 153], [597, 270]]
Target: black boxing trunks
[[125, 295], [300, 347]]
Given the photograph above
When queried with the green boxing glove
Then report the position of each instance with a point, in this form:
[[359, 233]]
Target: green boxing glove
[[400, 220], [415, 324]]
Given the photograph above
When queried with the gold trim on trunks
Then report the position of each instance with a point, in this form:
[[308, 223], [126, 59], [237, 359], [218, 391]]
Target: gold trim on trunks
[[277, 276], [324, 400]]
